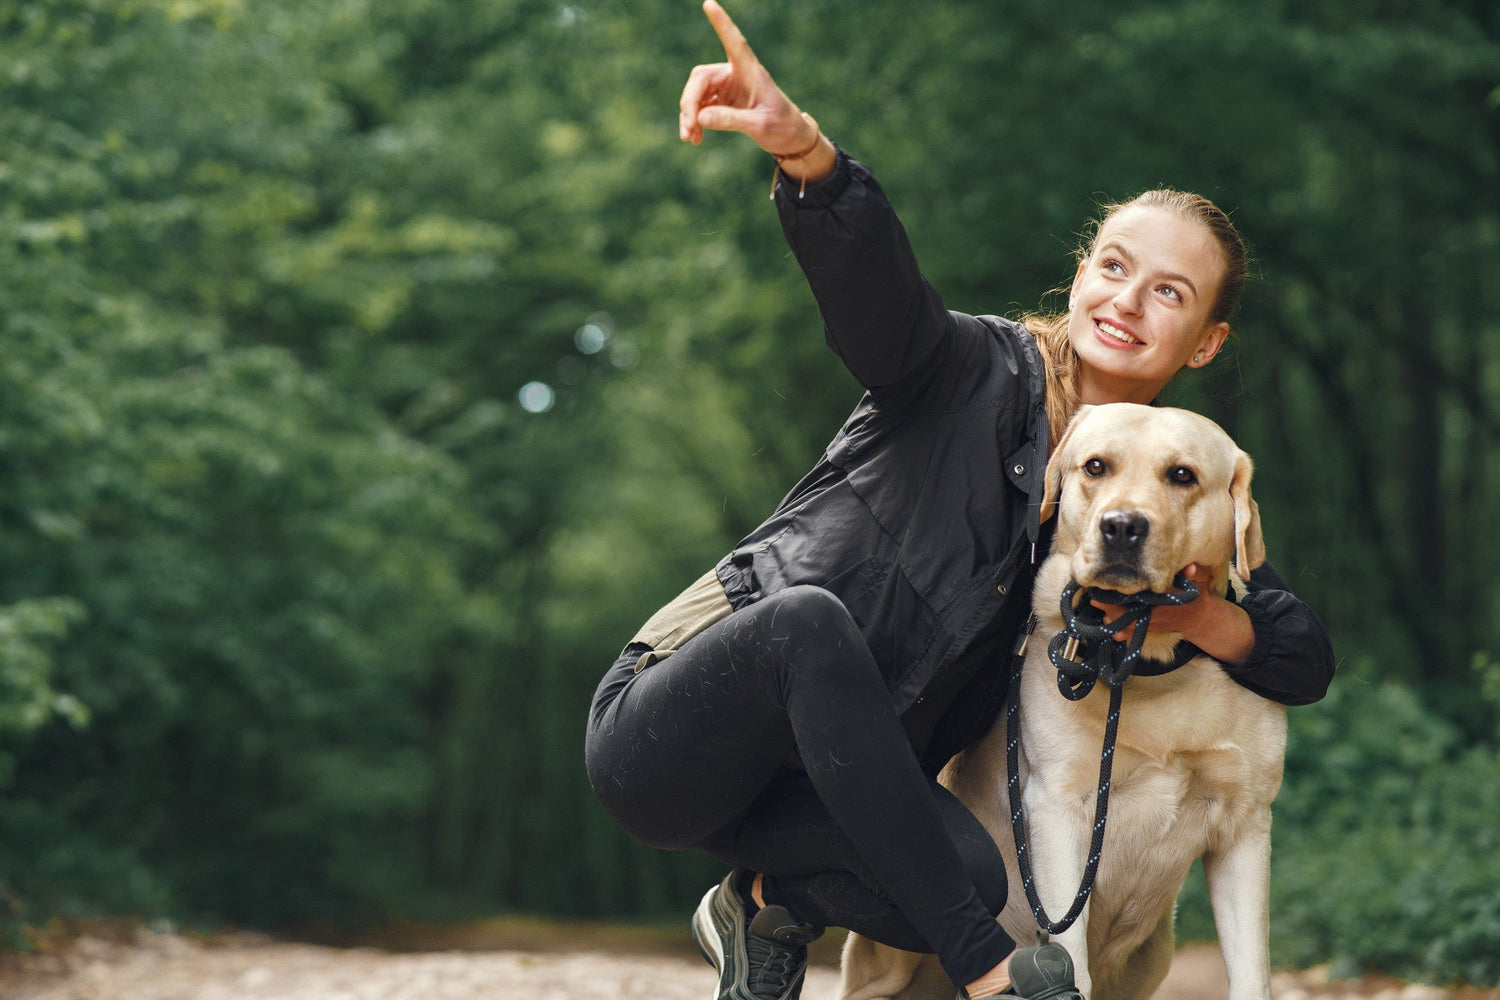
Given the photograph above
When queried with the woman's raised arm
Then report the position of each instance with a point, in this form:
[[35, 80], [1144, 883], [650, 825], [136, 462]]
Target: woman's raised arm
[[879, 315]]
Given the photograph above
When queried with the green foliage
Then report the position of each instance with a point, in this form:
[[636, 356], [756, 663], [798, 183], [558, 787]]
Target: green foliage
[[303, 607], [262, 571], [28, 701], [1398, 816]]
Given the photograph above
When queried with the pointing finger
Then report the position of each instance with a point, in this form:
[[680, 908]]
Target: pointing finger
[[735, 46]]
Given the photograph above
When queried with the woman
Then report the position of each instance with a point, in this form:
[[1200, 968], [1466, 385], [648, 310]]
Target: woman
[[790, 711]]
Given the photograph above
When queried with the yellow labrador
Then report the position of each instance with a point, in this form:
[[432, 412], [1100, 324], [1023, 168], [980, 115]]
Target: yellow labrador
[[1140, 492]]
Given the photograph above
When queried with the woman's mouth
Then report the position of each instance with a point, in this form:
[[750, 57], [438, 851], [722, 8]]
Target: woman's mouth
[[1114, 333]]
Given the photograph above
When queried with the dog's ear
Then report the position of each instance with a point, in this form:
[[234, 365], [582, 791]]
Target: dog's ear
[[1249, 544], [1052, 487]]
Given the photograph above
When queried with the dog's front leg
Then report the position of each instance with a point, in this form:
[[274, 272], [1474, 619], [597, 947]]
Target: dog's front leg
[[1239, 877], [1061, 824]]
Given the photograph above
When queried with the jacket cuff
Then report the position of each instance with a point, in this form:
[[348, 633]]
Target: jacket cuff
[[819, 194], [1292, 661]]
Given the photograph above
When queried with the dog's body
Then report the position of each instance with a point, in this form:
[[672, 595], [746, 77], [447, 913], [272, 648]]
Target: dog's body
[[1140, 493]]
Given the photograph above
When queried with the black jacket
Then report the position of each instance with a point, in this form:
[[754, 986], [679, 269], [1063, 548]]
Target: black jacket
[[922, 514]]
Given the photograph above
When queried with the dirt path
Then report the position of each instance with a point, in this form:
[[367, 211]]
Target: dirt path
[[147, 966]]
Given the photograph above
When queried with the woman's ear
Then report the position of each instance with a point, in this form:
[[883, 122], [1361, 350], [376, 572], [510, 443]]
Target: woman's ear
[[1213, 339], [1073, 288]]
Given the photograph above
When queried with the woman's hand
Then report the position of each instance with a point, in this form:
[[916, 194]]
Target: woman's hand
[[740, 96], [1216, 626]]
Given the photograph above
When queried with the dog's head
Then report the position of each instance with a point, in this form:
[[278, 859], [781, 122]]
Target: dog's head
[[1142, 491]]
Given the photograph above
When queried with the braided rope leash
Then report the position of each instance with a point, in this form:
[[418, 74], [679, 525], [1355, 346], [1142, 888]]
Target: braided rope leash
[[1109, 661]]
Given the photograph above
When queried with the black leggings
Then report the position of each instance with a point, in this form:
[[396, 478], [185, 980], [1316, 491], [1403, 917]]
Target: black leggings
[[769, 741]]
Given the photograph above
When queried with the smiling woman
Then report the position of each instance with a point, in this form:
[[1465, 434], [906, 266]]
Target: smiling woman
[[789, 713]]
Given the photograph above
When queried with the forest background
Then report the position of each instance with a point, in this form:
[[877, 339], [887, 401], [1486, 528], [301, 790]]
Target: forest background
[[371, 370]]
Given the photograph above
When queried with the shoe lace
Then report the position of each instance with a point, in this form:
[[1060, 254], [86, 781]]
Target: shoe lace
[[773, 966]]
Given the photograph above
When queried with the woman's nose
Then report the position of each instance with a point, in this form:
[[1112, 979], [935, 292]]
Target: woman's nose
[[1128, 299]]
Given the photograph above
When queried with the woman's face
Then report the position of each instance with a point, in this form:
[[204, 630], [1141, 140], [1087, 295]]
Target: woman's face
[[1139, 306]]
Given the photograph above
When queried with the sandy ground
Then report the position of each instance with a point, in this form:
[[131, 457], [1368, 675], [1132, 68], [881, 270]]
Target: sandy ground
[[141, 965]]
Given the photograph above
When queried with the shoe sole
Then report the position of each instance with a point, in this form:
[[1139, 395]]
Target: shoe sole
[[705, 935]]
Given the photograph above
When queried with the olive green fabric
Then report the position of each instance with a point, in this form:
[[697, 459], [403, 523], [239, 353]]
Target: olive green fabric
[[687, 614]]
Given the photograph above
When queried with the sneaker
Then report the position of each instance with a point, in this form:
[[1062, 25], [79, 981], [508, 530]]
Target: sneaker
[[759, 957], [1043, 972]]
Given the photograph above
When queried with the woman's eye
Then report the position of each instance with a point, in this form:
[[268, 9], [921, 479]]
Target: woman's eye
[[1171, 292], [1182, 476], [1095, 467], [1114, 267]]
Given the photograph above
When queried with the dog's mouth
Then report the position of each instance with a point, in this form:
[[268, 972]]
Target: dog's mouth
[[1123, 577], [1127, 570]]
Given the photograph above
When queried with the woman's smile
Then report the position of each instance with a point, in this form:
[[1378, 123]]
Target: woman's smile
[[1114, 334]]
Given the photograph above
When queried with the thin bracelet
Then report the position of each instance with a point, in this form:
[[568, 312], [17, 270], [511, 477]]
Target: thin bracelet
[[817, 138]]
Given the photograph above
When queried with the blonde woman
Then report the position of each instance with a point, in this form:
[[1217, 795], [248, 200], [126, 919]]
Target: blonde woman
[[790, 711]]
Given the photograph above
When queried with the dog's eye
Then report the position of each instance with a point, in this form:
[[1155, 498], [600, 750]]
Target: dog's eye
[[1182, 475], [1096, 467]]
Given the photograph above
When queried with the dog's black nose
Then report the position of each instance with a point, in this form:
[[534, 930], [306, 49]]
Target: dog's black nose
[[1123, 530]]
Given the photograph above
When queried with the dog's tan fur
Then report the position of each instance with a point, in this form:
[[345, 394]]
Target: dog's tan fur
[[1198, 759]]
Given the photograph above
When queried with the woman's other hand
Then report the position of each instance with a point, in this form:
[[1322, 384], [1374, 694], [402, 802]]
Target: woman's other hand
[[1218, 627]]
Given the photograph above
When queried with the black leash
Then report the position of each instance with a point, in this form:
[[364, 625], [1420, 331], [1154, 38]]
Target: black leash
[[1106, 660]]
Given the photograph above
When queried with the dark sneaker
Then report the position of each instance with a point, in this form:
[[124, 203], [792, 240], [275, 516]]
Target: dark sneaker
[[1044, 972], [759, 957]]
